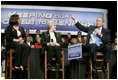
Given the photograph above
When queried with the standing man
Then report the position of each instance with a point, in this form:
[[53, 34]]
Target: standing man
[[98, 39], [52, 42]]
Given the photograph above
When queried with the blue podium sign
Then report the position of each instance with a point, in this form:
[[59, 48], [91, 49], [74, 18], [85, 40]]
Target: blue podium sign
[[75, 51]]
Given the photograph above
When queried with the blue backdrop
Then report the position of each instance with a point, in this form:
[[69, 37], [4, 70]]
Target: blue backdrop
[[34, 19]]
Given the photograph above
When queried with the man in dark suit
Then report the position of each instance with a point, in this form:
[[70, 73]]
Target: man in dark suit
[[28, 42], [52, 42], [98, 39]]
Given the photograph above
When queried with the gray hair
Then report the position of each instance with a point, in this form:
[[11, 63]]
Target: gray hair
[[49, 24], [101, 18]]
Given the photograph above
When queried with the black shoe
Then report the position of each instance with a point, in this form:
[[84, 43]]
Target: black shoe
[[49, 66], [57, 67]]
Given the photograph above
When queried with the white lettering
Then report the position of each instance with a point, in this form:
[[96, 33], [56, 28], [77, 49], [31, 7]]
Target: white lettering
[[31, 22], [5, 21]]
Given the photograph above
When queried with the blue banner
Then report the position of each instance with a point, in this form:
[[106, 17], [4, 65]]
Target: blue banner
[[34, 19], [75, 51]]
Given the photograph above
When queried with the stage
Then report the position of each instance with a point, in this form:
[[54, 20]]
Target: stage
[[74, 69]]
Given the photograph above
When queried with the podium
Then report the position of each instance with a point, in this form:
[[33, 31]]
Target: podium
[[78, 61]]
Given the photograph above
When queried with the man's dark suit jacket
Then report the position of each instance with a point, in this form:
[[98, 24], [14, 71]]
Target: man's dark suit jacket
[[105, 32], [31, 43], [11, 33], [46, 39]]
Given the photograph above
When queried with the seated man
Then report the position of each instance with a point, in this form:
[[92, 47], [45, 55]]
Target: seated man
[[52, 42], [98, 39]]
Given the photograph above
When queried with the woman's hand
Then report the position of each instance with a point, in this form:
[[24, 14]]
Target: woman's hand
[[20, 39], [51, 44], [57, 44], [21, 42], [15, 40]]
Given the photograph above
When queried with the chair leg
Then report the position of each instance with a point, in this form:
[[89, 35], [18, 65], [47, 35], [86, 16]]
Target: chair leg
[[102, 75], [43, 75], [10, 64], [107, 70], [57, 74], [63, 65], [89, 75], [7, 64], [45, 65], [28, 68], [91, 68]]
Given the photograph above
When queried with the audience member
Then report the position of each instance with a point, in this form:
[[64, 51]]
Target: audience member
[[60, 34], [37, 35], [84, 40], [38, 44], [74, 41], [65, 45], [69, 39], [28, 34], [28, 42], [79, 38]]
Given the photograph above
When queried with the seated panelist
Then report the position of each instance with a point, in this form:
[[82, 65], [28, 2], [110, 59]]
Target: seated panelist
[[52, 43], [98, 39], [15, 35]]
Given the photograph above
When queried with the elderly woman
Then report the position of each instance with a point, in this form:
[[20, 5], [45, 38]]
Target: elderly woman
[[15, 39], [52, 42], [38, 44]]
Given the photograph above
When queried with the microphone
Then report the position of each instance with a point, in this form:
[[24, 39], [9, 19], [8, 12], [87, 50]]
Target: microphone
[[51, 40]]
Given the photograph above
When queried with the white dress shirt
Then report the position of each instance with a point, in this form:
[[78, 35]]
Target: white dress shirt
[[28, 43], [93, 35], [52, 36], [79, 38]]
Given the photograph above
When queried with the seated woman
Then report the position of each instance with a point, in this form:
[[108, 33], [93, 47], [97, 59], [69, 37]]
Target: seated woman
[[38, 44], [15, 39], [52, 42]]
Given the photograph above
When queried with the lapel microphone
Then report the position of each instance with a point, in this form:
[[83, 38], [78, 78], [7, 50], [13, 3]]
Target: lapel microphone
[[51, 40]]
